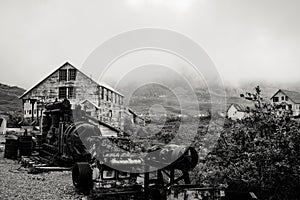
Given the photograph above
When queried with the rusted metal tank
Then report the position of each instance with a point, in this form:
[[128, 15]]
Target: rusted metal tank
[[11, 147]]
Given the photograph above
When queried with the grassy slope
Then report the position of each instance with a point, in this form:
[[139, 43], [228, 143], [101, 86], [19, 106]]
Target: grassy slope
[[9, 100]]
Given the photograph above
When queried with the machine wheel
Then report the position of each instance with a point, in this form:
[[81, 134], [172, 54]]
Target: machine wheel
[[82, 177]]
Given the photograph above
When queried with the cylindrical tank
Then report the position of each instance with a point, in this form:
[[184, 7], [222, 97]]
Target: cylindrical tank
[[25, 145], [77, 137], [11, 147], [174, 156], [186, 158]]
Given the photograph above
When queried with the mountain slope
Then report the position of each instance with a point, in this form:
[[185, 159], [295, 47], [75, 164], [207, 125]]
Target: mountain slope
[[9, 100]]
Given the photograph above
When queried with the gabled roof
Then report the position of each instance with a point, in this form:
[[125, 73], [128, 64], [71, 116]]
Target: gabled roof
[[135, 114], [88, 101], [293, 96], [67, 63], [239, 107]]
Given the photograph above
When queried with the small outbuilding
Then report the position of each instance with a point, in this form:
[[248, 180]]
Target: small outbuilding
[[237, 111]]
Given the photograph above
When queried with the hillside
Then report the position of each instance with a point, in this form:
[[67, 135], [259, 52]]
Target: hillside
[[148, 95], [9, 100]]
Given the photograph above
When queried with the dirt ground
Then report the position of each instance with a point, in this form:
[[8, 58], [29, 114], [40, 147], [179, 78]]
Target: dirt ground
[[16, 183]]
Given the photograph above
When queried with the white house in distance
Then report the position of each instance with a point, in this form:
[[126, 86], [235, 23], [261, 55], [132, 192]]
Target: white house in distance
[[237, 112], [290, 99]]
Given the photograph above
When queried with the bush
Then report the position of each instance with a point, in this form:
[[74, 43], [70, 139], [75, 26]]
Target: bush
[[260, 153]]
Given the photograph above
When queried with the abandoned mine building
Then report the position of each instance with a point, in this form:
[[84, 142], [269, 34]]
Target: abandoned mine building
[[67, 82]]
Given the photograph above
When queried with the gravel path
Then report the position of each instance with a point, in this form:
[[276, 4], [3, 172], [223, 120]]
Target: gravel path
[[18, 184]]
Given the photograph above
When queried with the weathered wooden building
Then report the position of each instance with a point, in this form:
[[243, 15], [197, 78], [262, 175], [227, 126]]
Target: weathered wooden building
[[67, 82]]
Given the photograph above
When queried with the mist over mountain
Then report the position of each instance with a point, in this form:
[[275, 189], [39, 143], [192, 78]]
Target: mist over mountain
[[165, 90], [188, 83], [198, 87], [268, 88]]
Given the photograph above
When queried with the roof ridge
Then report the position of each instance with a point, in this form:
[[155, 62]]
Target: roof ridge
[[290, 90], [294, 96], [68, 63]]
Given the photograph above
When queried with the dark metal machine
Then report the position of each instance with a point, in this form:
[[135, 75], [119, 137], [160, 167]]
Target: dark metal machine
[[60, 137], [113, 173], [112, 167]]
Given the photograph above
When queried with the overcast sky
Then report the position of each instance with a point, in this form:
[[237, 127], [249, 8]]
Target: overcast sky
[[246, 39]]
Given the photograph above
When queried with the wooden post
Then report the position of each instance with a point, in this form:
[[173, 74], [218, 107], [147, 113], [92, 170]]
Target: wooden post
[[146, 183], [172, 176], [186, 177], [32, 101], [37, 114], [160, 177]]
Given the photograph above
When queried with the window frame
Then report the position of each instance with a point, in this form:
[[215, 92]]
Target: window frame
[[59, 93], [105, 174], [69, 95], [275, 99], [73, 76], [109, 96], [121, 100], [105, 94], [65, 75]]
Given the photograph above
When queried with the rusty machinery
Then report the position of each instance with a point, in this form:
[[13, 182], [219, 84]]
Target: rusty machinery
[[97, 168], [60, 139], [117, 167], [116, 172]]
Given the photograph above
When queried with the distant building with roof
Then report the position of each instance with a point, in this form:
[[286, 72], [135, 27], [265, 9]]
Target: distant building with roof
[[237, 111], [67, 82], [3, 123], [289, 99]]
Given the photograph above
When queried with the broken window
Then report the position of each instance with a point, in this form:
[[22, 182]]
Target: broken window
[[62, 75], [72, 74], [62, 93]]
